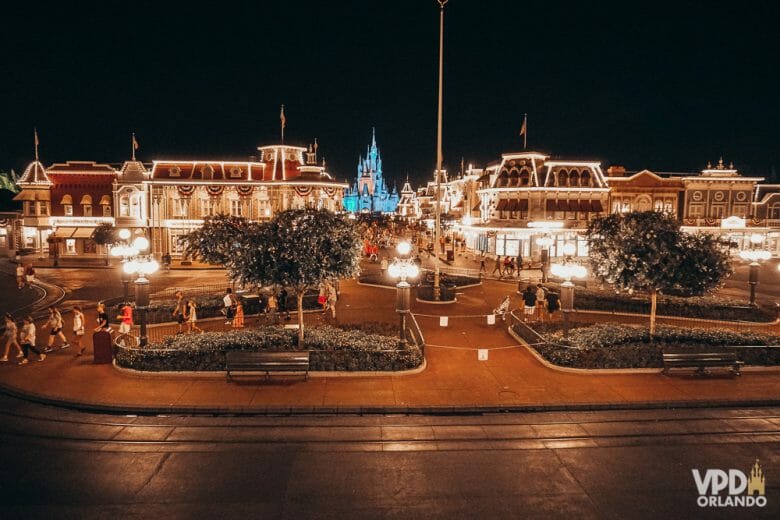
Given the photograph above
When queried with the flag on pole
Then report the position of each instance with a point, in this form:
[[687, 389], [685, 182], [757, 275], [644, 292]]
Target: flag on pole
[[282, 118], [524, 130], [135, 143], [35, 133]]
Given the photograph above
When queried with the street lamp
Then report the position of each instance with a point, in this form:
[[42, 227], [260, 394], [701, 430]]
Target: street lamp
[[755, 256], [126, 250], [545, 242], [402, 268], [141, 266], [568, 270]]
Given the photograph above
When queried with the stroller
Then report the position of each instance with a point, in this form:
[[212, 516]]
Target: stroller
[[503, 308]]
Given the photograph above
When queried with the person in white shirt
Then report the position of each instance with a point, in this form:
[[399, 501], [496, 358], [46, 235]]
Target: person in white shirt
[[230, 305], [78, 330], [27, 338]]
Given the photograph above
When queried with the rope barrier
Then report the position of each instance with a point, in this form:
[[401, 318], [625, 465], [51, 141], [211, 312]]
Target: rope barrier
[[451, 347]]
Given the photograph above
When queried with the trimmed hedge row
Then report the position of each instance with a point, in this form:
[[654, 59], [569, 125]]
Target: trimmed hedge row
[[331, 349], [627, 346], [703, 307]]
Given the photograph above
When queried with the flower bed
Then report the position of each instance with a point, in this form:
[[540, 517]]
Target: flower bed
[[627, 346], [704, 307], [331, 349]]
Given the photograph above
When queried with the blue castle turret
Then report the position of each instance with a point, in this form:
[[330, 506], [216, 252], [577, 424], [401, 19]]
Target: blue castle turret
[[369, 193]]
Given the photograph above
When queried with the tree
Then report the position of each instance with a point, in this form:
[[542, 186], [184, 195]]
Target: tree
[[647, 251], [298, 249], [105, 235], [219, 240]]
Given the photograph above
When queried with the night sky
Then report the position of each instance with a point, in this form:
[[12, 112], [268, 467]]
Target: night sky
[[646, 85]]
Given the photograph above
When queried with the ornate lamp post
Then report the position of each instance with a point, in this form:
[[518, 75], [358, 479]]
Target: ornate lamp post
[[755, 256], [568, 270], [125, 250], [141, 266], [402, 268], [545, 242]]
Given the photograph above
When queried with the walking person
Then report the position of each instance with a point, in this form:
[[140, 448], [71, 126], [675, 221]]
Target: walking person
[[497, 267], [508, 266], [102, 319], [27, 339], [519, 264], [192, 317], [20, 276], [55, 329], [482, 268], [238, 320], [9, 338], [282, 302], [78, 330], [229, 303], [553, 304], [29, 275], [332, 299], [529, 303], [541, 301], [271, 308], [179, 311], [322, 297], [383, 266]]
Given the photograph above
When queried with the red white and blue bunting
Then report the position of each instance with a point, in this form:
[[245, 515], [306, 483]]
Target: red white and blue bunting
[[303, 191], [245, 191], [186, 191], [330, 192], [215, 191]]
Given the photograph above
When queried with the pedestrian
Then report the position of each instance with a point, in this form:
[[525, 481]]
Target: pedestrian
[[55, 329], [282, 302], [383, 266], [20, 276], [553, 303], [271, 308], [125, 318], [238, 320], [332, 299], [102, 319], [180, 310], [192, 317], [509, 266], [167, 262], [322, 297], [497, 267], [78, 330], [541, 303], [229, 303], [482, 267], [529, 303], [27, 339], [29, 275], [9, 338], [519, 264]]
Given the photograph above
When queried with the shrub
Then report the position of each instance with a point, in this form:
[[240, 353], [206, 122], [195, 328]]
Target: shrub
[[627, 346], [330, 349]]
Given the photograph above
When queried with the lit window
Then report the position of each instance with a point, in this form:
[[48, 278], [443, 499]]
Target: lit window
[[235, 208], [124, 206], [87, 210], [70, 246], [68, 210], [106, 210]]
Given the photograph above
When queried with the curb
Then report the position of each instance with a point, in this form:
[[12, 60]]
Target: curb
[[475, 409]]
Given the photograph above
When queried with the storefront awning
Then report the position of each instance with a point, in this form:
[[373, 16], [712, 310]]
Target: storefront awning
[[562, 205], [522, 204], [550, 205], [502, 205], [74, 232], [595, 206], [511, 205]]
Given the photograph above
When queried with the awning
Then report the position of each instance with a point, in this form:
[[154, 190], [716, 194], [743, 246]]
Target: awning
[[563, 205], [550, 205], [522, 204], [74, 232], [512, 205], [595, 206], [585, 205], [502, 204]]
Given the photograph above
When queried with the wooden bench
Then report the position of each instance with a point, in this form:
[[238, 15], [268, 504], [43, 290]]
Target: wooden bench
[[701, 360], [249, 362]]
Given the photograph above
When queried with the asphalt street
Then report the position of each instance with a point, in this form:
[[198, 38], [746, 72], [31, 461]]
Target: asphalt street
[[611, 464]]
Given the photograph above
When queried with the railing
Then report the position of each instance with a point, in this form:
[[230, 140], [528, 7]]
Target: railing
[[414, 333], [169, 293]]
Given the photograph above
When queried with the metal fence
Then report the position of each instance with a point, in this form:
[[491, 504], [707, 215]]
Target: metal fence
[[414, 333]]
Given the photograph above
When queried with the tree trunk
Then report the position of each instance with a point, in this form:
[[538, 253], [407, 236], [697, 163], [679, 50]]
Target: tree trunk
[[299, 296], [653, 301], [107, 253]]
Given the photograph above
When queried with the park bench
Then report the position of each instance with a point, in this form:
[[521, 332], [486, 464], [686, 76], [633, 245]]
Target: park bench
[[249, 362], [701, 360]]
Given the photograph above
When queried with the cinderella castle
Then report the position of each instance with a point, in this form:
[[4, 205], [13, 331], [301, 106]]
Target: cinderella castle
[[369, 194]]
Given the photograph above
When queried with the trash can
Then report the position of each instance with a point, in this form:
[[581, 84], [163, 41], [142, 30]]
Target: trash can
[[101, 346], [450, 255]]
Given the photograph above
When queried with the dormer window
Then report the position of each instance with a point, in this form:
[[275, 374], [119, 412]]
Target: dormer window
[[67, 205], [86, 204], [105, 203]]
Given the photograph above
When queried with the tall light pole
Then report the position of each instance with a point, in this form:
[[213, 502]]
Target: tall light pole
[[755, 256], [402, 268], [437, 230]]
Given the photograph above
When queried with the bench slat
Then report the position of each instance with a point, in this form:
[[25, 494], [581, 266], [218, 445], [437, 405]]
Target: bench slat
[[242, 361]]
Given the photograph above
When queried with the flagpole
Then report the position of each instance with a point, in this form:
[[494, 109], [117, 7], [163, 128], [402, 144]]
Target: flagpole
[[132, 146], [282, 122], [437, 234], [35, 134], [525, 134]]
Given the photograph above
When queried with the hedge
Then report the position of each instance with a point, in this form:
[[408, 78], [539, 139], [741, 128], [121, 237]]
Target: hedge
[[629, 346], [702, 307], [330, 349]]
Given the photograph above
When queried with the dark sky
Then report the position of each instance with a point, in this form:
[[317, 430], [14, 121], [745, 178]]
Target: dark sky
[[647, 85]]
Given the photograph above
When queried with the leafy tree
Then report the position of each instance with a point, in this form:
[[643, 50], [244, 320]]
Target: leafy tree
[[219, 240], [298, 249], [8, 181], [647, 251], [105, 235]]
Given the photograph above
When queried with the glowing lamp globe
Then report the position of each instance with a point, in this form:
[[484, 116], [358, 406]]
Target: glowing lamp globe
[[149, 267], [569, 249], [394, 269], [130, 267], [756, 238], [117, 250], [124, 234], [413, 271], [403, 248], [141, 243]]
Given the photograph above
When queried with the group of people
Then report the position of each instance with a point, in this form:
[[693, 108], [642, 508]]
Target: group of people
[[539, 303], [505, 268], [328, 296], [25, 276], [24, 339]]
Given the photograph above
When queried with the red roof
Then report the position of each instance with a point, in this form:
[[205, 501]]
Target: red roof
[[230, 171]]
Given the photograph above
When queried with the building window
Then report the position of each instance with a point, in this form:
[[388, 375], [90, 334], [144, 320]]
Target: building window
[[717, 211], [124, 206], [106, 211], [206, 207], [697, 210], [740, 210], [180, 208], [235, 208], [68, 210], [87, 210], [70, 246], [43, 208]]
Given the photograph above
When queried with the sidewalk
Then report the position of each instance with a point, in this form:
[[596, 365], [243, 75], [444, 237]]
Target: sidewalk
[[454, 380]]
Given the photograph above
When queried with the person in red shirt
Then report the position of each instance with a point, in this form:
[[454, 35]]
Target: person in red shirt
[[126, 319]]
